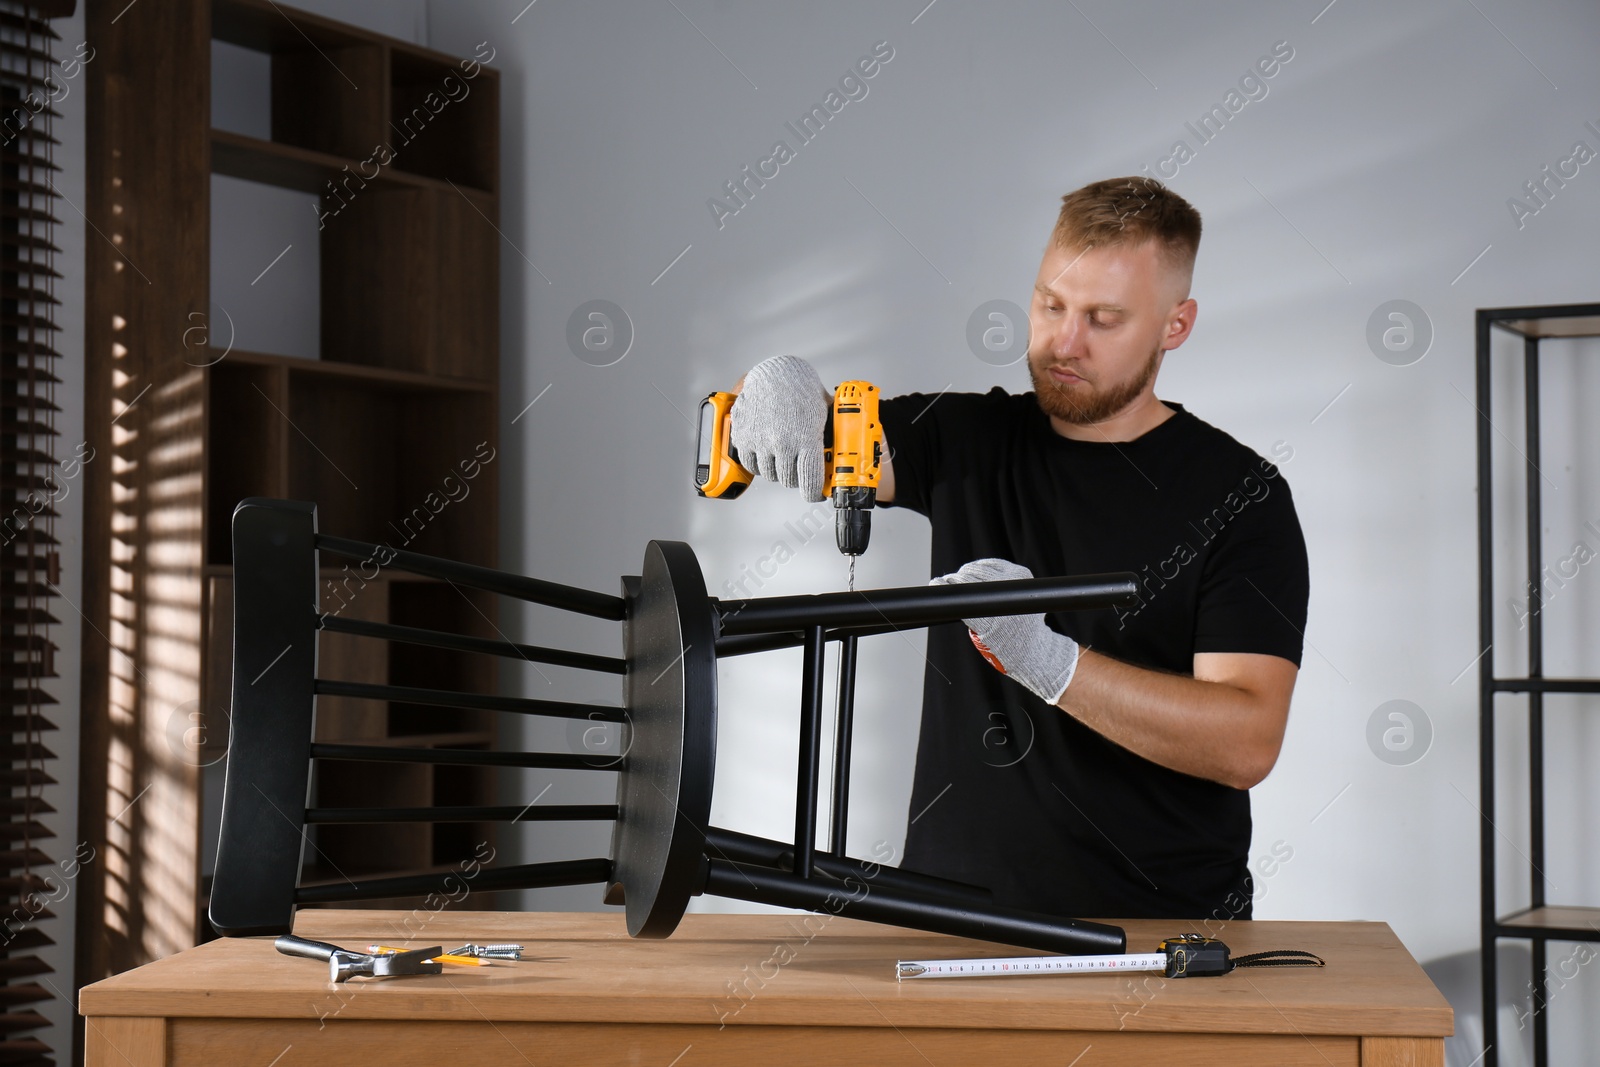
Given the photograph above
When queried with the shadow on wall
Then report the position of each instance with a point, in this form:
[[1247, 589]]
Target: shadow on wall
[[1459, 978]]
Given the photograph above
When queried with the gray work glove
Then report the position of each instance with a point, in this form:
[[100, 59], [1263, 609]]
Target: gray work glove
[[1022, 646], [777, 424]]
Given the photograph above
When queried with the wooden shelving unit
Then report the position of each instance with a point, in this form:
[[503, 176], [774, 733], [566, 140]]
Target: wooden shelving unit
[[392, 431]]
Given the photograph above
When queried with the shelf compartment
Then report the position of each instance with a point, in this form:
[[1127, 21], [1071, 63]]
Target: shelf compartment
[[330, 100], [443, 123], [410, 280], [245, 444], [265, 272], [329, 86], [267, 26], [413, 470]]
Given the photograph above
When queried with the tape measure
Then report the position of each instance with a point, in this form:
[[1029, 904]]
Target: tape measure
[[1183, 956]]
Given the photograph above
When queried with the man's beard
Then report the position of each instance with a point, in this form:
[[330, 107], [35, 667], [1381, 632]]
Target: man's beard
[[1073, 407]]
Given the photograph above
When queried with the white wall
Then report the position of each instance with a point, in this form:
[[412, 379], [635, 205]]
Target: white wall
[[1376, 168]]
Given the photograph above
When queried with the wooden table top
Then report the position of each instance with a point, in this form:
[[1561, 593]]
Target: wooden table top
[[790, 969]]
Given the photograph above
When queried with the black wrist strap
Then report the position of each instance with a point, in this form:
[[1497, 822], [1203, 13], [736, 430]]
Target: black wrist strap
[[1197, 955], [1283, 957]]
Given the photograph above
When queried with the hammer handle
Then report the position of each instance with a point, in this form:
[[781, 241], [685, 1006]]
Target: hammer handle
[[290, 945]]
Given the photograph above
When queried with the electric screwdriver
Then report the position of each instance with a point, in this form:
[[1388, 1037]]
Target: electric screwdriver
[[852, 459]]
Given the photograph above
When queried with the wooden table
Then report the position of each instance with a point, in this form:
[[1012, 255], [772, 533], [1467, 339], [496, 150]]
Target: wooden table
[[759, 989]]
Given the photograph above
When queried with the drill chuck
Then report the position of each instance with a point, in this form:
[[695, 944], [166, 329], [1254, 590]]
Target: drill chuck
[[852, 518]]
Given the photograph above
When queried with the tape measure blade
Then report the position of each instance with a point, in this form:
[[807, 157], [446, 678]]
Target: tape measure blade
[[1019, 965]]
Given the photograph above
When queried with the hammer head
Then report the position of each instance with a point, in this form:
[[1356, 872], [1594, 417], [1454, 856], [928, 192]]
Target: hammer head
[[343, 965]]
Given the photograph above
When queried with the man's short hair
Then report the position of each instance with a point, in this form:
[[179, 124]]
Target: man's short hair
[[1129, 211]]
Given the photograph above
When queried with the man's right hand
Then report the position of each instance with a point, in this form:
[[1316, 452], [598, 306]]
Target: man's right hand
[[778, 422]]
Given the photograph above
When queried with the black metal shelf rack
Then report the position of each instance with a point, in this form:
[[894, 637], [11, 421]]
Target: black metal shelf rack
[[1540, 922]]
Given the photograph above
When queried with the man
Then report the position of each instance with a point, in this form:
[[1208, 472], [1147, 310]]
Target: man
[[1103, 770]]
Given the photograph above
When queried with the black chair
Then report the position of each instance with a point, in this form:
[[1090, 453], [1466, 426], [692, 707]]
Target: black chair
[[663, 850]]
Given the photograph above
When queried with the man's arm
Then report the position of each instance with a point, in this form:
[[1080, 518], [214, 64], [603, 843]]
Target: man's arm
[[1225, 724]]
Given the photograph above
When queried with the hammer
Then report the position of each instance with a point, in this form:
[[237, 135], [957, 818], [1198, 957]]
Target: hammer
[[343, 964]]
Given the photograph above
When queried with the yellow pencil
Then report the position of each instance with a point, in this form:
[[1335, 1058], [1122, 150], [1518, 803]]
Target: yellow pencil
[[443, 957]]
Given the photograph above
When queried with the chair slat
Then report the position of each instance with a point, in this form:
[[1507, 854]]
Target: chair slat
[[486, 813], [464, 757], [522, 876], [450, 698], [413, 635], [551, 594]]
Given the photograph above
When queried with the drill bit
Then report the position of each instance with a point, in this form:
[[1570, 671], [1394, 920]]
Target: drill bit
[[852, 574]]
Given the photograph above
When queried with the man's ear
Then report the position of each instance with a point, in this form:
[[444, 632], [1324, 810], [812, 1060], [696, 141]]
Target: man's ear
[[1180, 324]]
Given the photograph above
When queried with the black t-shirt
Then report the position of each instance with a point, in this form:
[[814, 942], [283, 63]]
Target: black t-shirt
[[1016, 795]]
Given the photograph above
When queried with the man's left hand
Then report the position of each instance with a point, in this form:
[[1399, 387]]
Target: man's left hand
[[1022, 646]]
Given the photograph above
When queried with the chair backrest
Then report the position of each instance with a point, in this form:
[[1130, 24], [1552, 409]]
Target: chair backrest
[[261, 852]]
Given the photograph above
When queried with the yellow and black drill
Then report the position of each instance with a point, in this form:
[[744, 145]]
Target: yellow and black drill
[[852, 459]]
